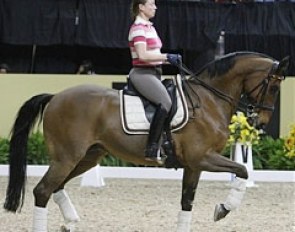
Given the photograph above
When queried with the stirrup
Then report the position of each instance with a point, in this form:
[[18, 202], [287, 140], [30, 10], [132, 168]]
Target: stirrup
[[159, 159], [152, 153]]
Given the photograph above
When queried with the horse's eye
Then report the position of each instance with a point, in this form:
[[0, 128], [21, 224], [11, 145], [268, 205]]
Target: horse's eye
[[274, 89]]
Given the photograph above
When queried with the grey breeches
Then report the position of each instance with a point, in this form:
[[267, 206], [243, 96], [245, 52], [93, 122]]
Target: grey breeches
[[147, 81]]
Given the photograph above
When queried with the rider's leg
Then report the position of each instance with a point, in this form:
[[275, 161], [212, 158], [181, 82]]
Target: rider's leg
[[147, 82], [156, 129]]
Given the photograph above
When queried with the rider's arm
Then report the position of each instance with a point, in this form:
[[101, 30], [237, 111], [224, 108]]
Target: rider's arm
[[148, 56]]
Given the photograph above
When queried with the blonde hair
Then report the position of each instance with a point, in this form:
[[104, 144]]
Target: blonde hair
[[134, 9]]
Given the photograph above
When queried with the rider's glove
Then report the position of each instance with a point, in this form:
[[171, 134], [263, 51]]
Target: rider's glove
[[174, 59]]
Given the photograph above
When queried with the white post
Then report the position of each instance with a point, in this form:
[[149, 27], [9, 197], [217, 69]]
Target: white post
[[243, 154], [93, 178]]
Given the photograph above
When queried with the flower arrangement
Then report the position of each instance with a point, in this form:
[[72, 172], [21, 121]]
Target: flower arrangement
[[241, 131], [289, 144]]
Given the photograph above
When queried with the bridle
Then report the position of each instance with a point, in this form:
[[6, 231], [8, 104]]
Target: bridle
[[250, 107], [245, 103]]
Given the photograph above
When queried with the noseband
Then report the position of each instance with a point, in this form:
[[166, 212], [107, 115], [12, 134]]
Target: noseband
[[251, 107]]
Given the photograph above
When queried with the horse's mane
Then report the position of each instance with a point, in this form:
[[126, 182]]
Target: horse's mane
[[223, 64]]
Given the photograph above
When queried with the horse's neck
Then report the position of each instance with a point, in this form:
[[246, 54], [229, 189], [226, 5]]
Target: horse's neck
[[228, 86]]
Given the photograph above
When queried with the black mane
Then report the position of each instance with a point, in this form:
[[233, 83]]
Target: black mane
[[223, 64]]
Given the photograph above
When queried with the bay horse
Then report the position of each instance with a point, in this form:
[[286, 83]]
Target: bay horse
[[82, 124]]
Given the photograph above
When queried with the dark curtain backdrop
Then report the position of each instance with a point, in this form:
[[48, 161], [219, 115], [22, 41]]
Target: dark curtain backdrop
[[66, 31], [263, 27]]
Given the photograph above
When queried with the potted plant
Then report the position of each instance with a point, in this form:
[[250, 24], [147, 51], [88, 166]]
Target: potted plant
[[242, 136]]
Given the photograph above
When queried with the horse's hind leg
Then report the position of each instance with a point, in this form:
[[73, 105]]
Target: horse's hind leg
[[190, 182], [61, 197], [64, 159], [93, 156], [218, 163], [55, 175]]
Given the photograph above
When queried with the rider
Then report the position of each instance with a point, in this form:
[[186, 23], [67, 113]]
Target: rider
[[145, 75]]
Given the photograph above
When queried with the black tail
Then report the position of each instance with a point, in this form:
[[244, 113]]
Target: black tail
[[25, 121]]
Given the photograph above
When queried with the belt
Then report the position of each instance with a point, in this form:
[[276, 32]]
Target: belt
[[148, 66]]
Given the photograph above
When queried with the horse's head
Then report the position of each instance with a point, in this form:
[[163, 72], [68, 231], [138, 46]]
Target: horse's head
[[261, 90]]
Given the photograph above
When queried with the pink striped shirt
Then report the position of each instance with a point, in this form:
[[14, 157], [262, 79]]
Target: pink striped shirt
[[142, 31]]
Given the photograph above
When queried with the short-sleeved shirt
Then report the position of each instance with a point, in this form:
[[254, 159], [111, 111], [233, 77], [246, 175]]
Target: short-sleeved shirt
[[143, 31]]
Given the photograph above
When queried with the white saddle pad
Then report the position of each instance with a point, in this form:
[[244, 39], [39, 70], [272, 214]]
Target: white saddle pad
[[133, 116]]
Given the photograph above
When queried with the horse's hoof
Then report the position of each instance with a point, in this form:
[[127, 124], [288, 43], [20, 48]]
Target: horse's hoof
[[220, 212], [64, 229], [69, 226]]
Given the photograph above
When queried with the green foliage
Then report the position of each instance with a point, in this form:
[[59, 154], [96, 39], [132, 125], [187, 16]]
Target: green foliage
[[110, 160], [269, 154], [37, 151], [4, 150], [272, 155]]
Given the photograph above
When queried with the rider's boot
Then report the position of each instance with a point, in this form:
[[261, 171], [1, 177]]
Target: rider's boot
[[168, 147], [168, 144], [169, 150], [156, 129]]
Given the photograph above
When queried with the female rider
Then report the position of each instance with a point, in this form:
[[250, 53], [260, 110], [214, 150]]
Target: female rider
[[145, 75]]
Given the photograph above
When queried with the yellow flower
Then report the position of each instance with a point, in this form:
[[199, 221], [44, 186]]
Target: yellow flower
[[243, 121], [289, 145], [245, 132], [241, 131], [234, 118]]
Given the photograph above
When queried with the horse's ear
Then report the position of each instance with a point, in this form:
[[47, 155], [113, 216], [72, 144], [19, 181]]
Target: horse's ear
[[283, 66]]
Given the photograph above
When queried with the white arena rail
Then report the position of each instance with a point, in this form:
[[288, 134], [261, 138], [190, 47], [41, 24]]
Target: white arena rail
[[95, 176]]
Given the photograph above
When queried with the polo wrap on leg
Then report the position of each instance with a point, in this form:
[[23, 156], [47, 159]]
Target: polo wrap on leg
[[236, 194], [40, 219], [184, 221], [66, 207]]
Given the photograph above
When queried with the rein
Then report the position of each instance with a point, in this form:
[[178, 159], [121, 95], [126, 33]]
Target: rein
[[184, 70], [249, 107]]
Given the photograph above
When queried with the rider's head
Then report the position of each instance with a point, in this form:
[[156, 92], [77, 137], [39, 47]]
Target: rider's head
[[146, 7]]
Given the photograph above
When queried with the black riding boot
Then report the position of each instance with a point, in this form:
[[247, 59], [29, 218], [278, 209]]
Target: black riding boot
[[155, 133], [169, 148]]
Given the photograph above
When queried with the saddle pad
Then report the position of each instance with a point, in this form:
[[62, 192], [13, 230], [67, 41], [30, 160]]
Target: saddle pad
[[133, 116]]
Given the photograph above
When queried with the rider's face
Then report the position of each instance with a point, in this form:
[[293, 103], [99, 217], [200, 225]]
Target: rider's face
[[148, 9]]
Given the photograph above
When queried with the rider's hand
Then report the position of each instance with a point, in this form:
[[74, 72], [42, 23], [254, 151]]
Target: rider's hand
[[174, 59]]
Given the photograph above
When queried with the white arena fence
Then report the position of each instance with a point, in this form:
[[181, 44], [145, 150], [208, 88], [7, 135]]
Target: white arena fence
[[158, 173]]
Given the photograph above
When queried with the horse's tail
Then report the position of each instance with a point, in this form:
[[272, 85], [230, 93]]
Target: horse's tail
[[26, 118]]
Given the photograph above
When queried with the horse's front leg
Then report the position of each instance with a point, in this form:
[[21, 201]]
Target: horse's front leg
[[217, 163], [190, 182]]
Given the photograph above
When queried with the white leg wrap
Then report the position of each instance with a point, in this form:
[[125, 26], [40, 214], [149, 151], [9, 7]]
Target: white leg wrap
[[40, 219], [236, 194], [184, 221], [66, 207]]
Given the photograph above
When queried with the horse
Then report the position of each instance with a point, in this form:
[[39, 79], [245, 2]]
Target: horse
[[82, 124]]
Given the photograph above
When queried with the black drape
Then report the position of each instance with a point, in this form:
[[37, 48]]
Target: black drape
[[189, 27], [103, 23], [263, 27]]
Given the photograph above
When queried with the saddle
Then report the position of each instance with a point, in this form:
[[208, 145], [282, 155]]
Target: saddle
[[137, 112]]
